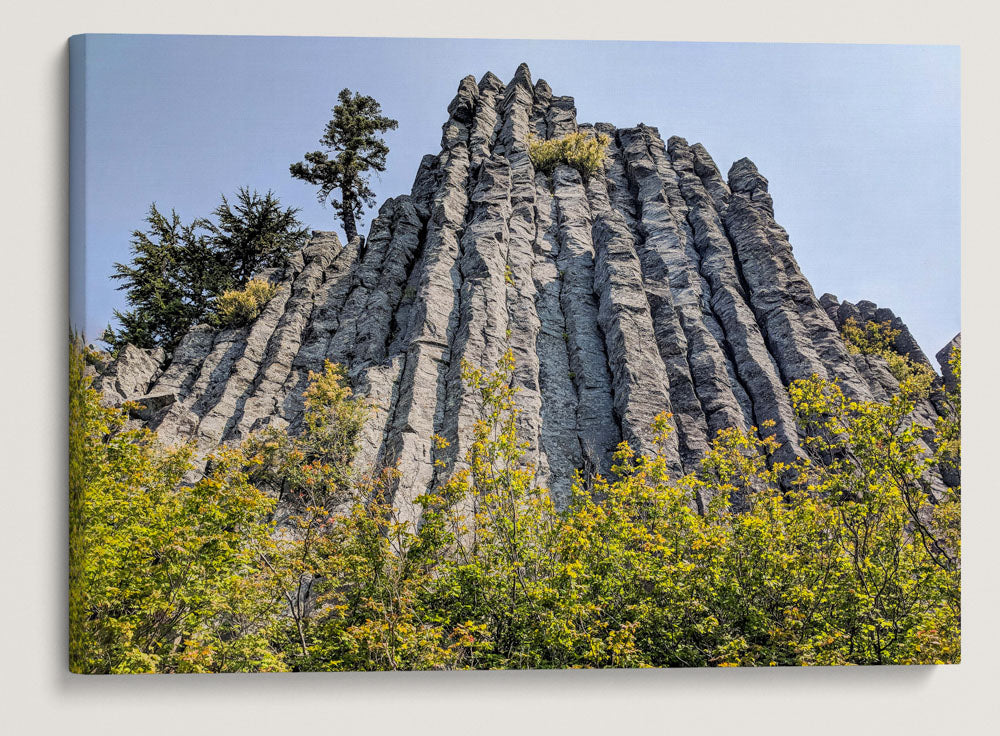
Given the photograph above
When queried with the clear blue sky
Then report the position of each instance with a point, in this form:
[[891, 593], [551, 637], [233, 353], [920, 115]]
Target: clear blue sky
[[860, 143]]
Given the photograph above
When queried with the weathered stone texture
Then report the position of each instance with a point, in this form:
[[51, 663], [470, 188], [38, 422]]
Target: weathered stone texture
[[655, 285], [130, 375]]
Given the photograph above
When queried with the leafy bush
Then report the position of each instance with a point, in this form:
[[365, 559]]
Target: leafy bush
[[238, 307], [877, 338], [850, 563], [630, 575], [843, 558], [581, 151], [164, 575]]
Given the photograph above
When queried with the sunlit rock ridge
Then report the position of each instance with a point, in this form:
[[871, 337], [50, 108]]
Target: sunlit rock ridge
[[656, 285]]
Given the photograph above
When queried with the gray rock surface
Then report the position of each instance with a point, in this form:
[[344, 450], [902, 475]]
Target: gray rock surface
[[943, 357], [130, 375], [656, 285]]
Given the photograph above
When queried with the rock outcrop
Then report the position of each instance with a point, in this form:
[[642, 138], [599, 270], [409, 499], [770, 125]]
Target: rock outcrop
[[943, 357], [655, 285], [865, 311], [129, 375]]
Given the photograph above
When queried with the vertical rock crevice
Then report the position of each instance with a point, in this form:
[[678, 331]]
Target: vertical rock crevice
[[753, 365], [689, 413], [433, 317], [639, 377], [673, 274], [597, 422]]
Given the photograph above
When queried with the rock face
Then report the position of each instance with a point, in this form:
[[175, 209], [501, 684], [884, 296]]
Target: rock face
[[866, 311], [943, 356], [656, 285]]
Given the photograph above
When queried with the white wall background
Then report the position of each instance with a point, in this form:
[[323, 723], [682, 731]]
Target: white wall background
[[38, 696]]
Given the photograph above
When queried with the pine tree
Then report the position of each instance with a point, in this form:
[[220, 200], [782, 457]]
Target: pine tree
[[169, 282], [254, 232], [353, 135], [177, 271]]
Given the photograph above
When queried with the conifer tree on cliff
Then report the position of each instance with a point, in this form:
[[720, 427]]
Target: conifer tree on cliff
[[352, 139], [178, 271]]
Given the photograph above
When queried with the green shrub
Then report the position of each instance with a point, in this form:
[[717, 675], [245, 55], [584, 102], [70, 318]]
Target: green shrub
[[164, 575], [238, 307], [841, 558], [583, 152], [877, 338]]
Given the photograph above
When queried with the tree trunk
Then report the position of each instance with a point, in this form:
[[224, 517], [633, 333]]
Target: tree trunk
[[347, 217]]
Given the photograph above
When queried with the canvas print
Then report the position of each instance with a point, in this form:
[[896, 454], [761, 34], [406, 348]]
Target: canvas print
[[434, 354]]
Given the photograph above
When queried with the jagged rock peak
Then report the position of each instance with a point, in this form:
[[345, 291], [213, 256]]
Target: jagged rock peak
[[744, 177], [490, 81], [543, 92], [655, 285], [522, 75]]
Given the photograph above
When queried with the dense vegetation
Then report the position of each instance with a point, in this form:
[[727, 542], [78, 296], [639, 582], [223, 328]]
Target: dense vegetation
[[284, 557], [580, 151], [178, 271]]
